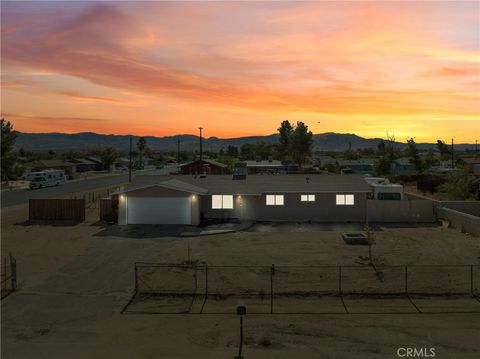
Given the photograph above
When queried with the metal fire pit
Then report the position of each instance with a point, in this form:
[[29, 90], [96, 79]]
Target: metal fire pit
[[355, 238]]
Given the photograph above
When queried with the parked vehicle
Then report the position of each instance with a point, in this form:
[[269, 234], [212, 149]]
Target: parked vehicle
[[47, 178], [382, 189]]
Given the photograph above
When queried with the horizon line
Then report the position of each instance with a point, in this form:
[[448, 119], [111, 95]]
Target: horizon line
[[230, 138]]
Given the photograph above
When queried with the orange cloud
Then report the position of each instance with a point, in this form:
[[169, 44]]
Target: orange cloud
[[270, 60]]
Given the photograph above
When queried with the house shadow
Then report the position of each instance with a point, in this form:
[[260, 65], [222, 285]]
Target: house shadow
[[144, 231]]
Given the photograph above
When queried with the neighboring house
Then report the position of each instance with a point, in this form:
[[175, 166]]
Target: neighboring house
[[437, 170], [270, 166], [361, 166], [203, 166], [322, 161], [41, 165], [97, 161], [403, 167], [83, 165], [188, 199], [124, 162], [470, 165]]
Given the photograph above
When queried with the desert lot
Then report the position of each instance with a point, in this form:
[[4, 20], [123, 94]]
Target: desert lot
[[74, 281]]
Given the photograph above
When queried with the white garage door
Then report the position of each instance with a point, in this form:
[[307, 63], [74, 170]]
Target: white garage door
[[165, 210]]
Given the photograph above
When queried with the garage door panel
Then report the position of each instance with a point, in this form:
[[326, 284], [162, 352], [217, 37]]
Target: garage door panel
[[164, 210]]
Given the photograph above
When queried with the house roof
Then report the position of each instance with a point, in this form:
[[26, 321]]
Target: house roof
[[264, 163], [50, 163], [403, 161], [470, 160], [254, 184], [362, 161], [209, 161], [83, 161], [170, 184], [94, 159]]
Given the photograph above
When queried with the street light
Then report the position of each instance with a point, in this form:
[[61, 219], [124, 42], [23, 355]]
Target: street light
[[241, 311]]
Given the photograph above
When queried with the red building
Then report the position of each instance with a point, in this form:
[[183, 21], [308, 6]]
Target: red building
[[204, 166]]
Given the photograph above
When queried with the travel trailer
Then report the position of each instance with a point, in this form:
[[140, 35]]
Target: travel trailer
[[382, 189], [47, 178]]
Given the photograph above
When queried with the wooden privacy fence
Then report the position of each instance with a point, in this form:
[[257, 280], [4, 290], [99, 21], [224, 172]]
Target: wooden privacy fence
[[109, 210], [57, 209]]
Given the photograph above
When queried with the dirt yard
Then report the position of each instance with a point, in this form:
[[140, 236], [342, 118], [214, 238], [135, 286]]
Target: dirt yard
[[75, 280]]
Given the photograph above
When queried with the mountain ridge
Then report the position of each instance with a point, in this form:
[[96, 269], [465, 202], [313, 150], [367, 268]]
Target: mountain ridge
[[328, 141]]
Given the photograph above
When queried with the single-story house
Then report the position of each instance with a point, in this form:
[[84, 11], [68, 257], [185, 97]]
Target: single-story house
[[186, 199], [203, 166], [470, 165], [322, 161], [40, 165], [98, 162], [361, 166], [403, 167], [270, 166], [83, 165]]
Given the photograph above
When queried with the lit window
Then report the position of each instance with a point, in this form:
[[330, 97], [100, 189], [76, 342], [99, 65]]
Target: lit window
[[340, 199], [345, 199], [220, 201], [349, 200], [216, 201], [307, 198], [270, 200], [274, 200], [227, 202]]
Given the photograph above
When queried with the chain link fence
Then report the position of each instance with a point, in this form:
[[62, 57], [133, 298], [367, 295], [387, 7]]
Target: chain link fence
[[202, 288]]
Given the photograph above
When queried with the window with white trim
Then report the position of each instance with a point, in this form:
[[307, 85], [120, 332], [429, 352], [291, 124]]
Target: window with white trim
[[274, 200], [307, 198], [345, 200], [222, 201]]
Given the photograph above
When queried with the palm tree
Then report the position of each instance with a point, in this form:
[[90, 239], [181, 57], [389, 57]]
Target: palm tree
[[141, 145]]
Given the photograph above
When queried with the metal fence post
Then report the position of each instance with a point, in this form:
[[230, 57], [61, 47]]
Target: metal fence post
[[13, 269], [406, 280], [272, 273], [471, 279], [340, 280], [136, 279]]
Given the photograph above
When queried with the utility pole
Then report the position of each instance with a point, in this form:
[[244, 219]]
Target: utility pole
[[453, 164], [178, 150], [130, 162], [200, 128], [476, 148]]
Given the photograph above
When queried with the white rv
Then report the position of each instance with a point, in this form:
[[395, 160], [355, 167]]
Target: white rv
[[47, 178], [382, 189]]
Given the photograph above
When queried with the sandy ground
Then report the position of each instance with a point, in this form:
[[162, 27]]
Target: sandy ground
[[75, 280]]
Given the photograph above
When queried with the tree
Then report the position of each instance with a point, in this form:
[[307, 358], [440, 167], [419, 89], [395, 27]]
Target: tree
[[351, 155], [429, 159], [458, 187], [412, 152], [444, 149], [232, 151], [285, 130], [141, 145], [8, 138], [296, 141], [371, 241], [246, 152], [385, 158], [108, 156]]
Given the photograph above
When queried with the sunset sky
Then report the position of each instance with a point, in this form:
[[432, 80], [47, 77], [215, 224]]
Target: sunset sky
[[164, 68]]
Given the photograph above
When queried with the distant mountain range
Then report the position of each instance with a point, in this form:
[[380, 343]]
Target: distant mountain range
[[88, 140]]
